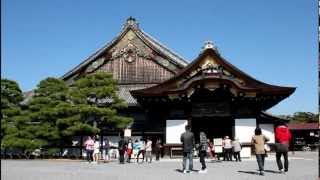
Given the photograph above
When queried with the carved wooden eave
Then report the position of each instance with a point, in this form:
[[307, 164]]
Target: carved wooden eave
[[166, 59], [211, 71]]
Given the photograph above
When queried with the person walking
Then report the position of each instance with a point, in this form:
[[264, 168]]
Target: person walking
[[136, 148], [236, 149], [227, 146], [142, 149], [149, 150], [89, 147], [187, 139], [158, 148], [129, 150], [122, 149], [96, 151], [283, 138], [203, 147], [258, 141]]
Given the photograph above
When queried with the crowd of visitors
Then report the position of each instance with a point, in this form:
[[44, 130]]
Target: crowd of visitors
[[142, 149]]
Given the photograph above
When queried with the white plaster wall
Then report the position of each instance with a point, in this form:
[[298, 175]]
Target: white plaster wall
[[174, 129], [244, 129], [268, 130]]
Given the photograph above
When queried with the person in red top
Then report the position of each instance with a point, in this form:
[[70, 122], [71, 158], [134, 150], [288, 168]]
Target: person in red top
[[283, 138]]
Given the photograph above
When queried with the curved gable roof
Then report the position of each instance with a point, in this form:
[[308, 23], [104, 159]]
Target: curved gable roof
[[148, 39]]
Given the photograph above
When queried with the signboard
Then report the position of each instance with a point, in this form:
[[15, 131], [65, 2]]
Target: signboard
[[174, 129], [127, 133], [210, 109], [218, 149], [217, 142]]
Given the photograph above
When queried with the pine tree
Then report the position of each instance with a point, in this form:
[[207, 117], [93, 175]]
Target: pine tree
[[17, 132], [98, 102]]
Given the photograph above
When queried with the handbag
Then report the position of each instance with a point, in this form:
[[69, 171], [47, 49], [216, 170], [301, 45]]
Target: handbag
[[267, 148]]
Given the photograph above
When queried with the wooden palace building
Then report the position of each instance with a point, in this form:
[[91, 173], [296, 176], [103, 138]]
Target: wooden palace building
[[164, 92]]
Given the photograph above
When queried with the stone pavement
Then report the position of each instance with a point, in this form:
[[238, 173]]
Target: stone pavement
[[303, 166]]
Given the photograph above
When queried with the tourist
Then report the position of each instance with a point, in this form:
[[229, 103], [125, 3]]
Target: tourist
[[210, 149], [259, 140], [142, 150], [89, 147], [129, 150], [158, 148], [136, 148], [96, 151], [187, 139], [105, 149], [122, 150], [227, 147], [149, 150], [203, 147], [283, 137], [236, 146]]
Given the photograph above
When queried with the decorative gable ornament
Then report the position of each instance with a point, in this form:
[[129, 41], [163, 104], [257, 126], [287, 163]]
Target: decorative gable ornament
[[130, 53]]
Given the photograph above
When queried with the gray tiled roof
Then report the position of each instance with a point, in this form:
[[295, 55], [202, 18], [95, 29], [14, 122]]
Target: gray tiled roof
[[124, 92]]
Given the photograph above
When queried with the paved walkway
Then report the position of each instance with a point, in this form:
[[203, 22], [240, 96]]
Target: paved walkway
[[303, 166]]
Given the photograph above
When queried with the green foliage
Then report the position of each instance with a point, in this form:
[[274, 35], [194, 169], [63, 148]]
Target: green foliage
[[302, 117], [11, 96], [96, 97], [57, 112]]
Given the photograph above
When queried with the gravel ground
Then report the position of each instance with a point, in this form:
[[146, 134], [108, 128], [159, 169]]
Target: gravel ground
[[303, 166]]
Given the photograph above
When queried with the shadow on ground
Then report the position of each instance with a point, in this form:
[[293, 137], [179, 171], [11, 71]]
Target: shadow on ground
[[249, 172], [181, 171], [272, 171], [215, 161]]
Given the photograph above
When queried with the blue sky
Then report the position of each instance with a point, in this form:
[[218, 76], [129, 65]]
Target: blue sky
[[273, 41]]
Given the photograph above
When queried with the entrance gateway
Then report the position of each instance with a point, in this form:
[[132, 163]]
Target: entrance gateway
[[213, 96], [164, 92]]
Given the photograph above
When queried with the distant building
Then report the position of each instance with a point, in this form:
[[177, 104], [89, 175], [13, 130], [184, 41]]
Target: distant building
[[304, 135]]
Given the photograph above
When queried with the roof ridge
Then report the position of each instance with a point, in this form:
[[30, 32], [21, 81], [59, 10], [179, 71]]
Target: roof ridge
[[94, 55], [133, 25], [182, 59]]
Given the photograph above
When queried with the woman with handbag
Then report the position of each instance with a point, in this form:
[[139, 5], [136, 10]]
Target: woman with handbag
[[258, 141]]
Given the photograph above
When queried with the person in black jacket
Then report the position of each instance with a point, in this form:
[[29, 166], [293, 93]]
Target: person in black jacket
[[187, 139], [122, 150], [203, 146]]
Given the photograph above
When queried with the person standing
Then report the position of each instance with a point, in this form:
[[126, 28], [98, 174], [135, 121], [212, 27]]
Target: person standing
[[158, 148], [142, 149], [129, 150], [187, 139], [149, 150], [89, 146], [283, 138], [105, 149], [227, 146], [122, 150], [236, 149], [210, 150], [136, 148], [259, 140], [203, 147], [96, 151]]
